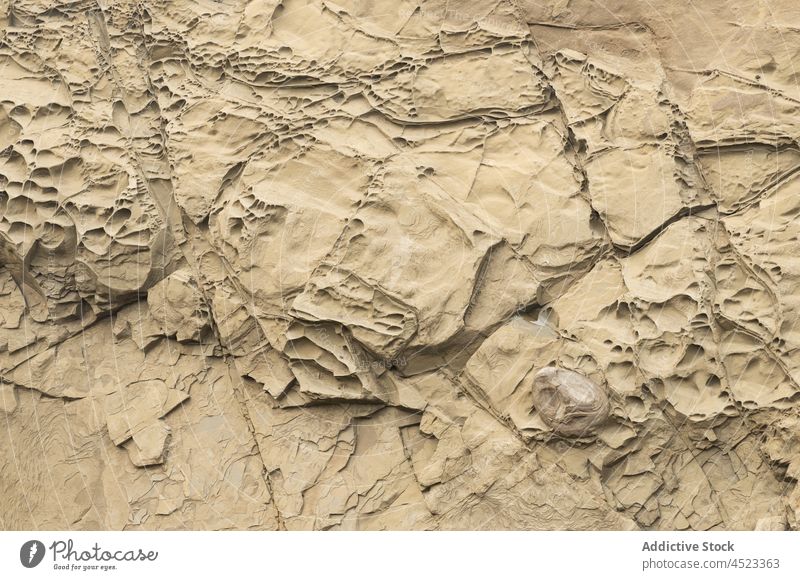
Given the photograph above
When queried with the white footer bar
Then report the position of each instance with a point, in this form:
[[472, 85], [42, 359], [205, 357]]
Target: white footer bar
[[376, 555]]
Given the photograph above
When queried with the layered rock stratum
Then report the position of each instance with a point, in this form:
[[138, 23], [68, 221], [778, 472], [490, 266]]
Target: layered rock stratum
[[317, 264]]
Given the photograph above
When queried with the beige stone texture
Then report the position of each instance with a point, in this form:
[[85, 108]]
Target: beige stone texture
[[399, 265]]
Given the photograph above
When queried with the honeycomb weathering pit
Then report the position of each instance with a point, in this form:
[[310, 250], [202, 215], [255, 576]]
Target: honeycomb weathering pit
[[274, 264], [569, 402]]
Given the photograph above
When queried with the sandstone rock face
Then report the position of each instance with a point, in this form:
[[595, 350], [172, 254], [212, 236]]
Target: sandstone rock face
[[300, 264], [569, 402]]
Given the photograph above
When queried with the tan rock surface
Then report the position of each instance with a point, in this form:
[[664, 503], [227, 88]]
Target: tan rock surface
[[305, 264]]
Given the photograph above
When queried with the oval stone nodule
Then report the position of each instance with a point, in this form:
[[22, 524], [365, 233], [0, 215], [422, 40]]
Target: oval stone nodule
[[569, 402]]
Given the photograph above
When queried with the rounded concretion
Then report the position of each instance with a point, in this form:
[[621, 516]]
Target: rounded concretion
[[569, 402]]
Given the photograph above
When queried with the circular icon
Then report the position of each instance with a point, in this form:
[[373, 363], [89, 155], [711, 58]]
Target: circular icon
[[31, 553]]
